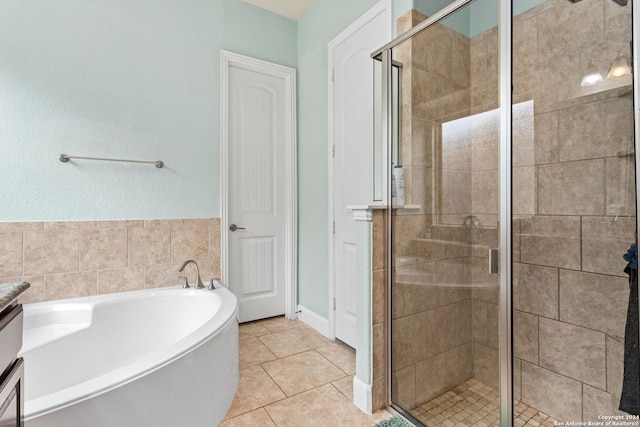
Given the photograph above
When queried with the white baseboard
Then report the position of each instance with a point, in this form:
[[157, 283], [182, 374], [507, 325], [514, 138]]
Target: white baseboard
[[314, 321], [362, 396]]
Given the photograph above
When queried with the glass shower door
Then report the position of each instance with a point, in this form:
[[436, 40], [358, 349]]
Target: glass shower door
[[444, 308], [574, 214]]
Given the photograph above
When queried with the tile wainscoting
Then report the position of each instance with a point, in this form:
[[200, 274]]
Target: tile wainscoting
[[79, 258]]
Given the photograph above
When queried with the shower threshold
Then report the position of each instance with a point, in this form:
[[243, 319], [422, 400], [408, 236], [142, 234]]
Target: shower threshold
[[475, 404]]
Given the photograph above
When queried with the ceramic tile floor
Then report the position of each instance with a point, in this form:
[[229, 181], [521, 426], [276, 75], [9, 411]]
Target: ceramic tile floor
[[475, 404], [292, 376]]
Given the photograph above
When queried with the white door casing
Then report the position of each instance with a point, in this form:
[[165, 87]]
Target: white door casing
[[258, 165], [351, 154]]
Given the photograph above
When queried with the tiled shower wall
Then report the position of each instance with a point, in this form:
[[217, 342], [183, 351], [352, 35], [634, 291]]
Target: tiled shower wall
[[574, 206], [80, 258]]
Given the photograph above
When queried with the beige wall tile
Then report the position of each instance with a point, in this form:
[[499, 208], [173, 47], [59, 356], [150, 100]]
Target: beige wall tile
[[431, 378], [461, 57], [120, 280], [379, 344], [70, 285], [583, 302], [69, 225], [620, 186], [479, 321], [525, 43], [458, 365], [604, 241], [379, 240], [597, 403], [546, 138], [551, 240], [524, 190], [149, 245], [571, 188], [10, 254], [403, 387], [379, 296], [48, 252], [433, 51], [567, 27], [485, 363], [535, 289], [615, 366], [6, 227], [189, 242], [581, 132], [120, 224], [617, 19], [162, 275], [214, 239], [492, 326], [103, 248], [517, 379], [409, 340], [523, 137], [447, 327], [454, 271], [556, 395], [525, 336]]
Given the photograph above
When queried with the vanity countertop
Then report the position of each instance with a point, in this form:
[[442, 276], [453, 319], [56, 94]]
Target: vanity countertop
[[9, 292]]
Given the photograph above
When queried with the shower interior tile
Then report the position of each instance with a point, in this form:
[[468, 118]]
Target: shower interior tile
[[560, 396], [588, 352], [525, 336], [583, 303], [571, 188], [604, 240], [535, 289]]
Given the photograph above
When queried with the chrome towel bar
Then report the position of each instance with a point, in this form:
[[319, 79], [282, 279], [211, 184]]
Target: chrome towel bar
[[64, 158]]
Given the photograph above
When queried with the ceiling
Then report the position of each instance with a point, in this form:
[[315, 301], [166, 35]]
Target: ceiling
[[292, 9]]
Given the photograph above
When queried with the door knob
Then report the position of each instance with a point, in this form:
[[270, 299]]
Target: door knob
[[234, 227]]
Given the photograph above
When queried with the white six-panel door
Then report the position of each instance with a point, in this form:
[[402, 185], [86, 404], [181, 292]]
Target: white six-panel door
[[259, 221], [352, 119]]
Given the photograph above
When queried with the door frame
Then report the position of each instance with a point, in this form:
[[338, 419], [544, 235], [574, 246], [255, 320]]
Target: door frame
[[383, 6], [227, 60]]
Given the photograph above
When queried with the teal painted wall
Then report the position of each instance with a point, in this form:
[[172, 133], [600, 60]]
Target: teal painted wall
[[133, 79], [324, 20]]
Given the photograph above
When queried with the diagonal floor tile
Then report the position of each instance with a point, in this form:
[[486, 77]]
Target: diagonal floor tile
[[253, 352], [301, 372], [256, 389], [341, 355], [292, 341], [280, 323], [345, 385], [320, 407], [257, 418], [252, 329]]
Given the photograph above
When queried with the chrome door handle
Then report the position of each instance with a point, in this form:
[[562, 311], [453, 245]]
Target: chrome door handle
[[234, 227]]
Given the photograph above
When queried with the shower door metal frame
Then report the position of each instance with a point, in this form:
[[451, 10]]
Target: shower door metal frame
[[505, 31]]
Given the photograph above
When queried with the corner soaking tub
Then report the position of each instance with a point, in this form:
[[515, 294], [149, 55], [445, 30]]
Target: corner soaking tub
[[157, 357]]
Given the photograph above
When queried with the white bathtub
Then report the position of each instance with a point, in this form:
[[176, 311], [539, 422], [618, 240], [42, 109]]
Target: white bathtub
[[158, 357]]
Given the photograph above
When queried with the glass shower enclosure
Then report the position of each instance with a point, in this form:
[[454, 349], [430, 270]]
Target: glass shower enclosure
[[511, 177]]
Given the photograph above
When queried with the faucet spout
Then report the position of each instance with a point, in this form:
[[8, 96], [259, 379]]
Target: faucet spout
[[199, 283]]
